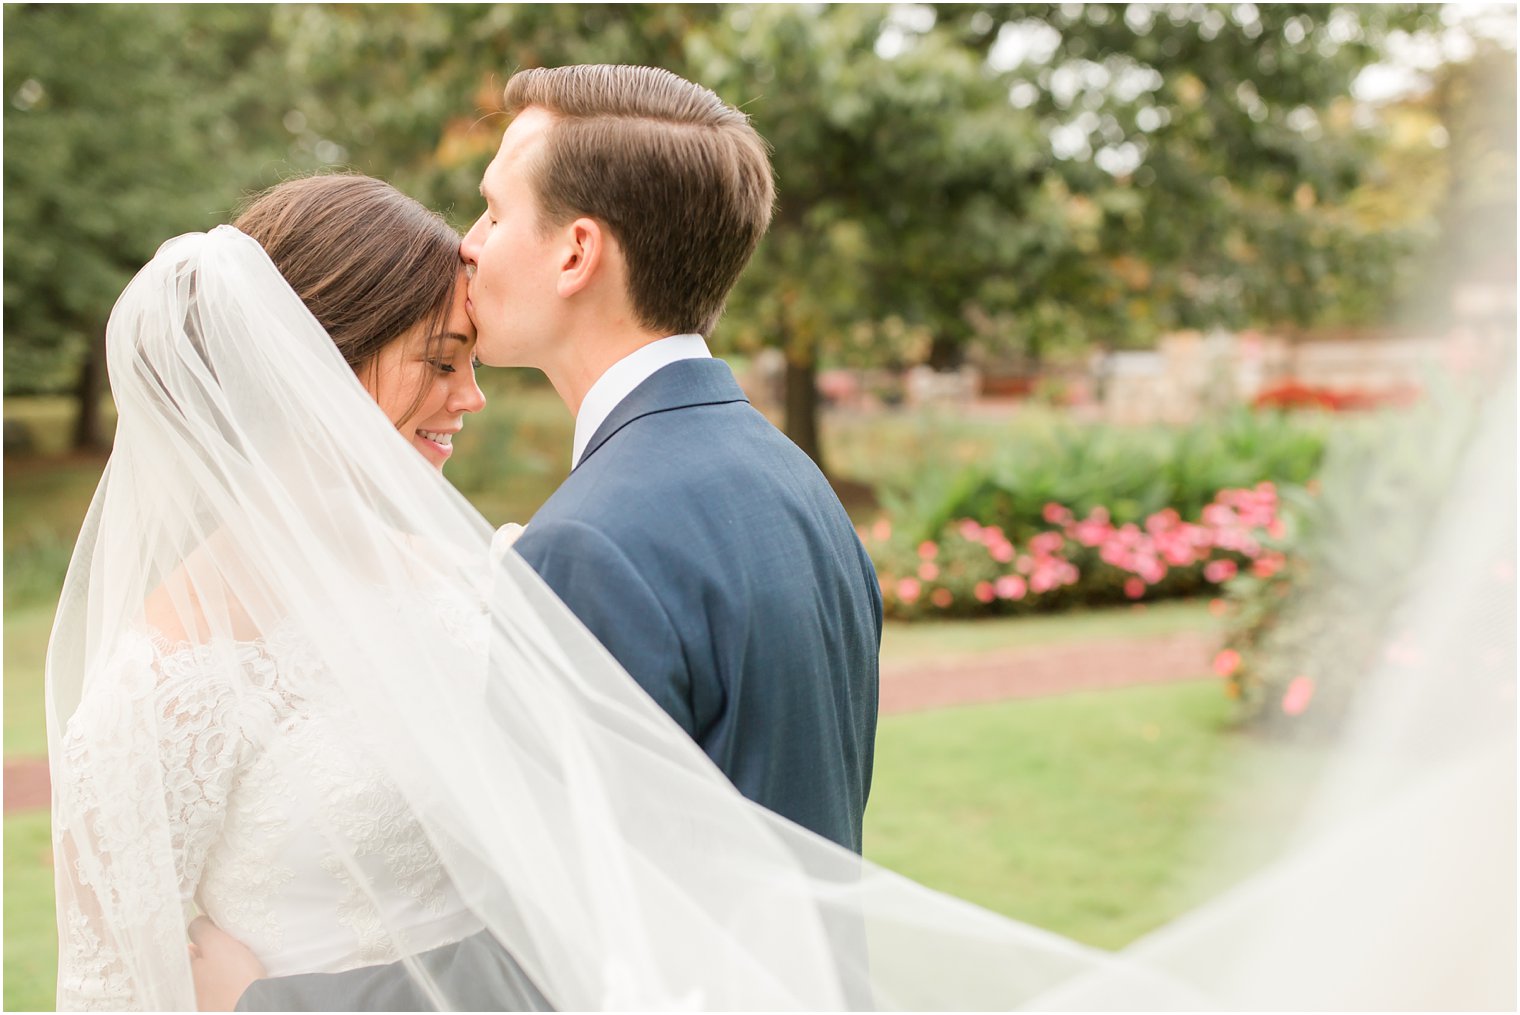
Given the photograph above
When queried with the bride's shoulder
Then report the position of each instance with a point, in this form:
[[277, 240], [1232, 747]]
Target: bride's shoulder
[[202, 600], [182, 611]]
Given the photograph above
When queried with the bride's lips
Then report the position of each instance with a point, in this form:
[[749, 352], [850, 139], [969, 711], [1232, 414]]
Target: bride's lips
[[432, 446]]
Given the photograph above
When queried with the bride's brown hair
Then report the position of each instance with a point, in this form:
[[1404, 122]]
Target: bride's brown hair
[[369, 262]]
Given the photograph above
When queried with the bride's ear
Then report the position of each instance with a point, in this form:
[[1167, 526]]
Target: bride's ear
[[584, 249]]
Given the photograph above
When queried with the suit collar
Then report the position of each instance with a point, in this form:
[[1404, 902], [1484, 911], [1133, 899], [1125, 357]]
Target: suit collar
[[681, 385]]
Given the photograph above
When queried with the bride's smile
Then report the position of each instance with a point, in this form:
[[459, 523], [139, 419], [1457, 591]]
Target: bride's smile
[[425, 381]]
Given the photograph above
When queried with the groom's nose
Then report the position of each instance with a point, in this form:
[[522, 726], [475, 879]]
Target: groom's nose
[[469, 247]]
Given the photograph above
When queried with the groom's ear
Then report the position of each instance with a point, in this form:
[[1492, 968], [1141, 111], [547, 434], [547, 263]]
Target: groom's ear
[[585, 247]]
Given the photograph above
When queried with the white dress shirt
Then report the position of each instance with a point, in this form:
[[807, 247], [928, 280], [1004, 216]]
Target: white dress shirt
[[625, 375]]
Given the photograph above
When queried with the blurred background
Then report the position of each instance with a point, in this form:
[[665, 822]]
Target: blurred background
[[1117, 328]]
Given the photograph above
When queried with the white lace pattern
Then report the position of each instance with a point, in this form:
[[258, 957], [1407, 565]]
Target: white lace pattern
[[249, 849]]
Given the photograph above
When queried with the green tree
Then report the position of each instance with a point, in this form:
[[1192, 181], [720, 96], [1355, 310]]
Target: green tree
[[905, 183], [127, 125], [1024, 176], [1219, 144]]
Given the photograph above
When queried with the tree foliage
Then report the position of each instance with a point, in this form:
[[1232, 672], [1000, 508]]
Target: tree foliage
[[1019, 178]]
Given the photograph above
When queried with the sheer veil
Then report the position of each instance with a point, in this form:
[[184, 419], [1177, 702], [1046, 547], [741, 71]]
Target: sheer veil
[[257, 497]]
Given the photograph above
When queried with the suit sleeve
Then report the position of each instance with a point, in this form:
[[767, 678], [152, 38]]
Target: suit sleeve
[[600, 585]]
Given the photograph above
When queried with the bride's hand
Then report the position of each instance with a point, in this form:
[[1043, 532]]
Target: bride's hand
[[221, 965]]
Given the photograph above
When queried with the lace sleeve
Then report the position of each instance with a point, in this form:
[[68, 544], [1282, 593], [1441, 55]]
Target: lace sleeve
[[143, 774]]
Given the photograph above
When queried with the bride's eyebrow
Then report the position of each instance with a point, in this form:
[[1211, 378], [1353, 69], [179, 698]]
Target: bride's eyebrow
[[444, 336]]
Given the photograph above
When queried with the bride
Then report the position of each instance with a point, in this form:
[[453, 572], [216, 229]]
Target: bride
[[293, 686], [174, 642]]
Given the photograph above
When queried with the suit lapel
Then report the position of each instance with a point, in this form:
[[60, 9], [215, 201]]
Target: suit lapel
[[680, 385]]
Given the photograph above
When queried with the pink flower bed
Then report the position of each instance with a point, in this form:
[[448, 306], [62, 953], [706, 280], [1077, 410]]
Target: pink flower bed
[[975, 568]]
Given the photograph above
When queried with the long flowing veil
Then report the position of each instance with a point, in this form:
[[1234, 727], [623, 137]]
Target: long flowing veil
[[258, 507]]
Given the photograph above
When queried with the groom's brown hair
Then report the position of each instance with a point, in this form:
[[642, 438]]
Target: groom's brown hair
[[680, 178]]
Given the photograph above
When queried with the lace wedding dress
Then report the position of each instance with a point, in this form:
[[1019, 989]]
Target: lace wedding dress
[[250, 843]]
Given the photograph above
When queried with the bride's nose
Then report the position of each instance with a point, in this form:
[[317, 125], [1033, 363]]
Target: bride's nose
[[466, 395]]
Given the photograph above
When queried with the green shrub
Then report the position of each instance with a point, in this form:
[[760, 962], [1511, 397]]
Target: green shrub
[[1132, 473], [970, 568], [1063, 514], [1300, 640]]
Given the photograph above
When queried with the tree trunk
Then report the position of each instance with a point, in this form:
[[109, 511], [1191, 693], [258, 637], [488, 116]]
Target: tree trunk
[[946, 353], [802, 407], [89, 433]]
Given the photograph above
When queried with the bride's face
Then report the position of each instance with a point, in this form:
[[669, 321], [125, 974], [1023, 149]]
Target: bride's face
[[441, 372]]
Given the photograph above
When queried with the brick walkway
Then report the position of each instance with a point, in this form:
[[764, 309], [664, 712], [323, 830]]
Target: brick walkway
[[915, 686], [1046, 669]]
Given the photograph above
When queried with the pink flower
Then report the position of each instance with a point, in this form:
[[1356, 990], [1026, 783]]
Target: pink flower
[[1090, 532], [969, 529], [1055, 514], [1218, 515], [882, 530], [1296, 697], [984, 592], [1218, 571], [1268, 565], [928, 571], [1276, 529], [1011, 586], [908, 590], [1118, 556], [1046, 543], [1001, 552], [1024, 564], [1218, 607], [1162, 521], [928, 550], [1176, 552], [1226, 662], [1134, 588], [941, 597]]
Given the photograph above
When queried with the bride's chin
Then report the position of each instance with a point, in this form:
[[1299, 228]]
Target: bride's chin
[[434, 454]]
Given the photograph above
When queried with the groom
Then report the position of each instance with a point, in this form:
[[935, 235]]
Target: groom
[[703, 549]]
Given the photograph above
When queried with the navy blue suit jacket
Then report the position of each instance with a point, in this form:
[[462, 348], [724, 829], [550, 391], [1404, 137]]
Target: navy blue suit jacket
[[712, 559]]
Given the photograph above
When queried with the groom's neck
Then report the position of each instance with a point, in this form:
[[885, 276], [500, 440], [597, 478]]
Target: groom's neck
[[580, 359]]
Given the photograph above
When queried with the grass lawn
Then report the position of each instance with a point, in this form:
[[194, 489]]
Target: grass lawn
[[1098, 816], [31, 943]]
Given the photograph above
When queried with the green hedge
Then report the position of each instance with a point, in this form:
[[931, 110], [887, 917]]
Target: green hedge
[[1131, 472], [1066, 514]]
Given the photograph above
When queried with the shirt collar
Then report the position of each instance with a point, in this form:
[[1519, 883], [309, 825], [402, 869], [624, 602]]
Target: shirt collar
[[618, 382]]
